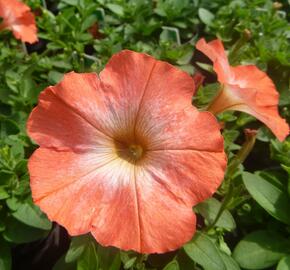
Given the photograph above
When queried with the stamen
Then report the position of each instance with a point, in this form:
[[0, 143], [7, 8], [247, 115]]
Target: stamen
[[135, 151]]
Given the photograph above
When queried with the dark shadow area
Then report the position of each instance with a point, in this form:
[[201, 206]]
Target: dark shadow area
[[41, 254]]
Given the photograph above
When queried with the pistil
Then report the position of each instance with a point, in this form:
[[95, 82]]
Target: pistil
[[135, 151]]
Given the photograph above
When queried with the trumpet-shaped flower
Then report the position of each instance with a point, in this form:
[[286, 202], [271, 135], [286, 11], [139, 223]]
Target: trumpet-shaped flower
[[244, 88], [124, 155], [18, 18]]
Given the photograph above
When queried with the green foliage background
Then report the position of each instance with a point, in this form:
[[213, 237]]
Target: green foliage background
[[253, 203]]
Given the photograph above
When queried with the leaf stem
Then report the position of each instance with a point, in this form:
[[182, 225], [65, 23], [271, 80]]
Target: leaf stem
[[238, 159], [44, 4], [24, 48], [223, 207], [234, 52], [90, 57]]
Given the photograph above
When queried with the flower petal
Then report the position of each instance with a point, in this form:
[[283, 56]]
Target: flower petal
[[123, 203], [98, 194], [265, 104], [24, 28], [53, 123], [183, 173], [246, 89], [167, 117], [109, 105], [183, 130], [215, 51], [157, 102], [125, 78], [118, 101], [252, 92], [250, 77], [163, 224], [179, 179], [74, 188], [12, 8], [18, 18], [118, 204]]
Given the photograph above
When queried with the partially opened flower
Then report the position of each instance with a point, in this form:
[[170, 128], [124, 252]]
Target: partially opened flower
[[244, 88], [124, 155], [18, 18]]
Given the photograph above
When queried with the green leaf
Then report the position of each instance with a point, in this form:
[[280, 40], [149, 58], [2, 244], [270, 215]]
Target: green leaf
[[184, 261], [204, 66], [287, 169], [187, 68], [284, 263], [6, 177], [61, 64], [109, 258], [186, 53], [61, 264], [12, 79], [205, 16], [170, 34], [209, 210], [89, 21], [31, 215], [205, 94], [203, 251], [77, 247], [280, 151], [2, 225], [89, 258], [260, 249], [28, 88], [21, 166], [17, 150], [273, 199], [7, 127], [100, 14], [54, 76], [69, 2], [117, 9], [229, 262], [173, 265], [5, 256], [130, 263], [3, 194], [13, 203], [19, 233]]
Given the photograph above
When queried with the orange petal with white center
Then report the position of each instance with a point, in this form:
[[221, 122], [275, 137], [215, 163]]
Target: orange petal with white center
[[78, 188], [19, 19], [167, 186], [136, 102], [167, 117], [117, 201]]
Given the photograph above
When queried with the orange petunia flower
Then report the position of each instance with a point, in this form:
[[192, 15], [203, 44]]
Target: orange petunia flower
[[124, 155], [245, 88], [18, 18]]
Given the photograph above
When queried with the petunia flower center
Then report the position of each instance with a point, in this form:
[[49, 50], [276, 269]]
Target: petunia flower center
[[135, 151], [131, 149]]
